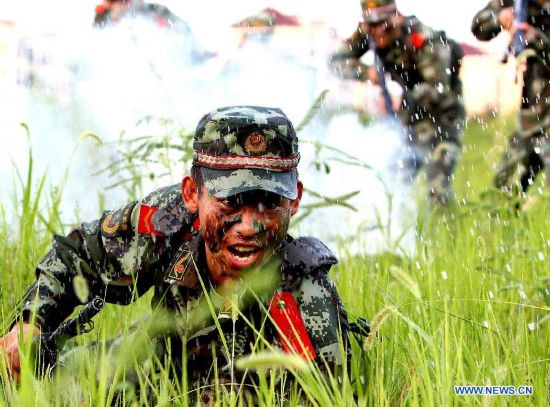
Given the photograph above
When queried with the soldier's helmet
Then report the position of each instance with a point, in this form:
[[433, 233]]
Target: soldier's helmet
[[244, 148], [377, 11]]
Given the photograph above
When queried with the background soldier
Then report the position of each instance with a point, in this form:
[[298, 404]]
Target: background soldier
[[112, 11], [425, 63], [528, 149], [231, 214]]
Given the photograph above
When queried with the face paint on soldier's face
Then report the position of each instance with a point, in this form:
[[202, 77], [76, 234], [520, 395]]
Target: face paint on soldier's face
[[241, 231]]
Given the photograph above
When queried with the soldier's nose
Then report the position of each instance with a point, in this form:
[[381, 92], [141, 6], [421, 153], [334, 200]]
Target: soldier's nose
[[251, 222]]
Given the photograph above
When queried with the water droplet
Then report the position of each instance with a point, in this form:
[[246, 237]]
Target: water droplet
[[522, 293]]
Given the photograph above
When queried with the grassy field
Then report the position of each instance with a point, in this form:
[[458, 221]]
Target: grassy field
[[471, 308]]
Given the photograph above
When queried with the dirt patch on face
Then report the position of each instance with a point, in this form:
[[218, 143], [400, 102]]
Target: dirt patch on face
[[241, 231]]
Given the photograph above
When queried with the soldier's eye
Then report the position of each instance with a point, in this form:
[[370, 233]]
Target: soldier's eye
[[233, 201], [271, 201]]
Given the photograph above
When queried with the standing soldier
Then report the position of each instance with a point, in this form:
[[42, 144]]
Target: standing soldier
[[425, 63], [528, 149], [229, 216]]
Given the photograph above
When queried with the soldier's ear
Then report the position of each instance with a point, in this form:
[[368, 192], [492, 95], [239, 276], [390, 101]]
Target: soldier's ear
[[190, 193], [295, 203]]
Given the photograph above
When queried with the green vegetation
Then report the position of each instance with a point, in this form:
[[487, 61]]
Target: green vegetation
[[472, 307]]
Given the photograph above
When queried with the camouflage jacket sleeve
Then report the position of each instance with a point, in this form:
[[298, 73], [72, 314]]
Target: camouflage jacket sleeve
[[305, 271], [485, 25], [437, 60], [539, 43], [103, 257], [324, 316], [345, 62]]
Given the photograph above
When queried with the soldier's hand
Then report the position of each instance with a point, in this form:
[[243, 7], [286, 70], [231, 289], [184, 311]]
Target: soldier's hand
[[9, 346], [530, 32], [372, 75], [505, 18]]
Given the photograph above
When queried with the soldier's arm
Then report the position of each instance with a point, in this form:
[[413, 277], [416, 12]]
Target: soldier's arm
[[56, 290], [307, 264], [81, 265], [433, 56], [104, 257], [535, 40], [324, 312], [437, 60], [486, 24], [345, 62], [540, 42]]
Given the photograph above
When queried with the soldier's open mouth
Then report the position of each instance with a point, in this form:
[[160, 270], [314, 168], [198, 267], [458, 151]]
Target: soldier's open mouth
[[244, 256]]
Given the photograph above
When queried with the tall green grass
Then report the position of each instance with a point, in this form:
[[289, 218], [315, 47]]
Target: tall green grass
[[472, 306]]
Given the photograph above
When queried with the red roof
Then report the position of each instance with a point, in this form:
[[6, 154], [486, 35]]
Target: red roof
[[468, 49]]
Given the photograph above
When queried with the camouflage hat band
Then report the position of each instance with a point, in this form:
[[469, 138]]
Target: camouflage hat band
[[228, 162], [379, 14]]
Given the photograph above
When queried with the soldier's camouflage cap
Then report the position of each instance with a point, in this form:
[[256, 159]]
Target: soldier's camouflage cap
[[244, 148], [376, 11]]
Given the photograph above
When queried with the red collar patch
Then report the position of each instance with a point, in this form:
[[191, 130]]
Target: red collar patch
[[145, 224]]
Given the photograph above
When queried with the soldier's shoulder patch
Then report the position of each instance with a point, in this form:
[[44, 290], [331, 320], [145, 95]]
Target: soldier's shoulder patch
[[117, 223], [162, 196], [145, 222]]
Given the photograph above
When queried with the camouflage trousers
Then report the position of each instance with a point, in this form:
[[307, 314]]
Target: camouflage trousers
[[437, 155], [528, 149]]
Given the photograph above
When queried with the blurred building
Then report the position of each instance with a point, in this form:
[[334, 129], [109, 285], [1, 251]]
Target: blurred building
[[490, 86], [8, 41]]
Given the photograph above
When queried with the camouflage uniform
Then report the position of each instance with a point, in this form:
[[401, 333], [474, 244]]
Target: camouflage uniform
[[528, 150], [425, 63], [154, 244]]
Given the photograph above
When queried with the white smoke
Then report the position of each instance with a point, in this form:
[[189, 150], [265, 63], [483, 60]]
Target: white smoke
[[133, 70], [384, 218]]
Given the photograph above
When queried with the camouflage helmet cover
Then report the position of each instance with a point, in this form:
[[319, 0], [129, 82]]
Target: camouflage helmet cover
[[243, 148], [376, 11]]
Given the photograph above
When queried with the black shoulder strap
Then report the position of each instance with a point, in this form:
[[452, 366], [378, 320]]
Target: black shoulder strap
[[304, 256]]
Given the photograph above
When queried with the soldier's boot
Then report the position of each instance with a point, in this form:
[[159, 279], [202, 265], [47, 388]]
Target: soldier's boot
[[532, 166], [439, 173]]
